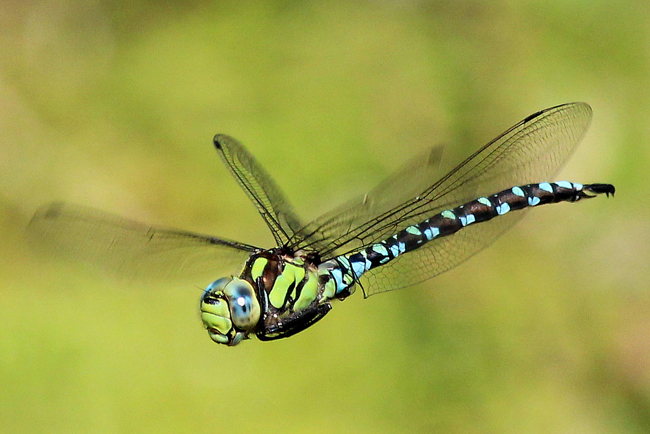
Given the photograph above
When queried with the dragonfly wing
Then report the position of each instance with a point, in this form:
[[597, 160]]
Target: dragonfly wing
[[338, 224], [531, 151], [131, 250], [265, 194]]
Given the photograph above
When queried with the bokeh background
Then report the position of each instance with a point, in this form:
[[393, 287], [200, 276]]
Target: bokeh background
[[113, 105]]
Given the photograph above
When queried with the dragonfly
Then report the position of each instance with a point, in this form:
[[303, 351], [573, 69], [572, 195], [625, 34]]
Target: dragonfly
[[416, 224]]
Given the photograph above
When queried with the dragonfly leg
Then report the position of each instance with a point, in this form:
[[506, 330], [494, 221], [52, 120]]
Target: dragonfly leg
[[294, 324]]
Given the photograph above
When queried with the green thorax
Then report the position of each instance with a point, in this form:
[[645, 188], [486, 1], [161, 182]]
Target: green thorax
[[284, 283]]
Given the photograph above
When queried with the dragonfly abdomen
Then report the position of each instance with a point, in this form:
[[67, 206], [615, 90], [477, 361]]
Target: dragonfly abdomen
[[346, 270]]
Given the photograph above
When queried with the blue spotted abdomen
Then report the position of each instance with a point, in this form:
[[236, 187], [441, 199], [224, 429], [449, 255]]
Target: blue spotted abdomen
[[346, 270]]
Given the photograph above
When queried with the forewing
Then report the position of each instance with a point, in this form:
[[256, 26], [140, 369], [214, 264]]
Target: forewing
[[531, 151], [131, 250], [267, 197]]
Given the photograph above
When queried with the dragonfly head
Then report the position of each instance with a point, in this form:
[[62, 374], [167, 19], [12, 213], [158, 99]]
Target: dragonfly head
[[229, 310]]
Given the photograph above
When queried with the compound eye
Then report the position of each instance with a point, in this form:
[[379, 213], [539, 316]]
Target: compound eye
[[217, 285], [244, 307]]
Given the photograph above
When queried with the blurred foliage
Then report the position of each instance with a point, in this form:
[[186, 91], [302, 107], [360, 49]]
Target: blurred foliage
[[114, 104]]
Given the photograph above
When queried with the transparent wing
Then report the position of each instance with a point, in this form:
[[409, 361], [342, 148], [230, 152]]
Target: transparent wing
[[334, 229], [260, 188], [531, 151], [132, 250]]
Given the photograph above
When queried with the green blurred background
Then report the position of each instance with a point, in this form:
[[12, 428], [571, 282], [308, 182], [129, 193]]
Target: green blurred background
[[113, 105]]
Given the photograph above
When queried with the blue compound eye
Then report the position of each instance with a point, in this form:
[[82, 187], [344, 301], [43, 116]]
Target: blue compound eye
[[244, 307], [217, 285]]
